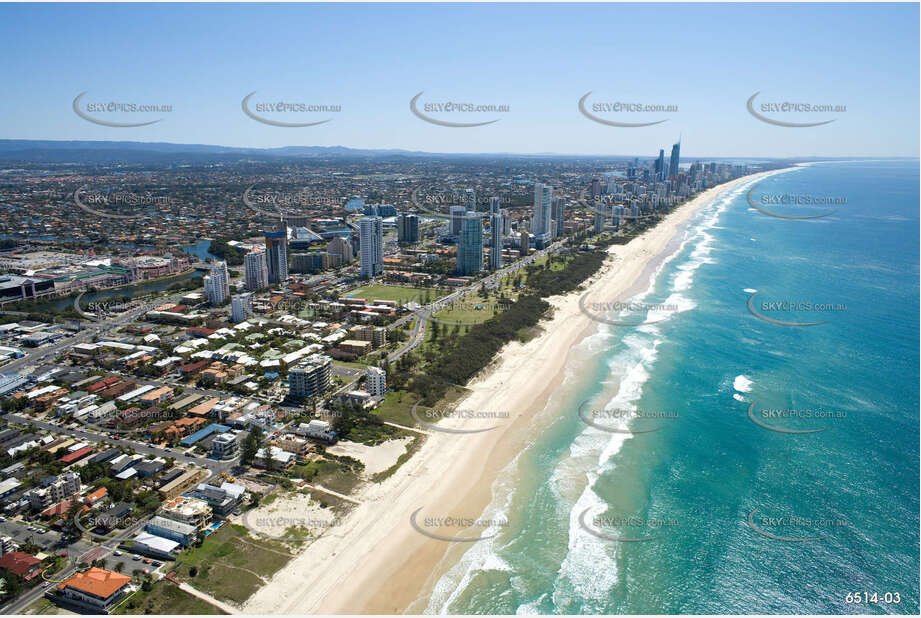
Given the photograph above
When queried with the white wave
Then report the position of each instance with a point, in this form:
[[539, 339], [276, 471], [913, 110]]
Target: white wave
[[532, 608], [749, 290], [742, 384], [589, 570], [738, 397], [482, 555]]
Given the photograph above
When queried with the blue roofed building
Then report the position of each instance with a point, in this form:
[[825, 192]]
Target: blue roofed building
[[203, 433]]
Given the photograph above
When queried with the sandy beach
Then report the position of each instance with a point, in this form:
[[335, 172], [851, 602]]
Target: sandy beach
[[376, 561]]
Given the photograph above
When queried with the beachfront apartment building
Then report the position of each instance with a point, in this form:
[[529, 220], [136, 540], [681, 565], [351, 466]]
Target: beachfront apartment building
[[186, 510], [223, 499], [541, 218], [311, 378], [376, 381], [495, 242], [470, 245], [184, 534], [54, 491], [224, 446]]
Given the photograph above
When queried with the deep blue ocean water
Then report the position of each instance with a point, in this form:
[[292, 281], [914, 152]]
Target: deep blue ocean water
[[726, 515]]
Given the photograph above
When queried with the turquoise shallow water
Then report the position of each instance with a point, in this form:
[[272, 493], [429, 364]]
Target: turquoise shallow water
[[726, 515]]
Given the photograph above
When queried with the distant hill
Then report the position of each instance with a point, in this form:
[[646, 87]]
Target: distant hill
[[86, 151]]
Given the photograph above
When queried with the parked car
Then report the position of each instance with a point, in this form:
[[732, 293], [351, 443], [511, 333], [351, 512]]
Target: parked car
[[117, 553], [135, 557]]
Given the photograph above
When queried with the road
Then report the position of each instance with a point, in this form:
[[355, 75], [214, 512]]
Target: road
[[76, 552], [417, 337], [85, 435], [94, 329]]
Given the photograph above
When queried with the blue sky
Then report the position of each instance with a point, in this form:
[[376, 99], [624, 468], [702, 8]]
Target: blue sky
[[539, 59]]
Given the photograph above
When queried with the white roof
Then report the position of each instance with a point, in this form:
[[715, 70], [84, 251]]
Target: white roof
[[126, 474], [136, 393], [155, 542], [11, 484]]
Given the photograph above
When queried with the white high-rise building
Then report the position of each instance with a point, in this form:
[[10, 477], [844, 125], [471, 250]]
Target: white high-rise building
[[495, 243], [310, 378], [241, 307], [217, 285], [540, 221], [371, 239], [376, 381], [256, 270]]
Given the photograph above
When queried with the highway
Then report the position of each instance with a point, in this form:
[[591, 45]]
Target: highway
[[417, 337]]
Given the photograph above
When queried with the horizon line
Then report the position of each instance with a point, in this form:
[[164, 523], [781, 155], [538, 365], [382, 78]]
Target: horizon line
[[427, 152]]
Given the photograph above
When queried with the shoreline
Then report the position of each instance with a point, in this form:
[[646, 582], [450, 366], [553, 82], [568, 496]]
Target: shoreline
[[375, 562]]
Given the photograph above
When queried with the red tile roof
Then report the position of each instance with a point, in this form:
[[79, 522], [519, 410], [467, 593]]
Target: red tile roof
[[96, 581], [20, 563]]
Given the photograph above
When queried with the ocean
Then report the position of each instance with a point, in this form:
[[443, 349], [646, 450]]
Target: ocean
[[711, 460]]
